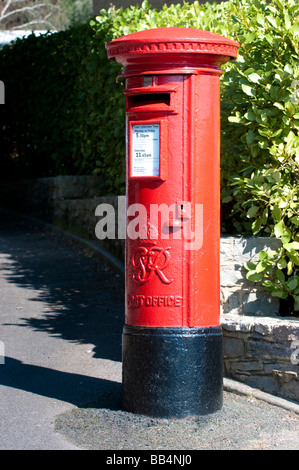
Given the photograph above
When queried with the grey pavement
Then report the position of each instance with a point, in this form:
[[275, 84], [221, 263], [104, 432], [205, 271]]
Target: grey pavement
[[61, 317]]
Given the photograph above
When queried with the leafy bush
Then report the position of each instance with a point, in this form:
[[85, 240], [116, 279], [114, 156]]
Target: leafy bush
[[262, 145], [72, 117]]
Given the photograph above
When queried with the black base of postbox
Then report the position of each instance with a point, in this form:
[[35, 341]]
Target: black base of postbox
[[172, 372]]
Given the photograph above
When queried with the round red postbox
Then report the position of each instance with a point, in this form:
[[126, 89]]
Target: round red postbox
[[172, 339]]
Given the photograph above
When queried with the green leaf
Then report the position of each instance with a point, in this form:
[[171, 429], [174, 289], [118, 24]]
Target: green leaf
[[260, 19], [250, 116], [294, 258], [263, 255], [250, 137], [278, 105], [295, 220], [249, 37], [290, 139], [287, 68], [286, 237], [227, 199], [277, 133], [276, 175], [295, 29], [276, 212], [287, 20], [279, 293], [280, 276], [252, 211], [256, 226], [292, 284], [273, 21], [269, 284], [282, 263], [254, 276], [254, 77], [290, 266], [279, 229], [234, 119], [250, 266], [248, 90], [260, 267], [291, 246], [269, 38], [264, 216]]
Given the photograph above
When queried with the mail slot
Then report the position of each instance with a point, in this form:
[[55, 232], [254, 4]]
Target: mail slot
[[172, 338], [149, 100]]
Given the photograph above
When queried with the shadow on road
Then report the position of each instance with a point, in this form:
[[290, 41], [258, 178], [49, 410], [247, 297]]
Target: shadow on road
[[68, 387], [82, 298]]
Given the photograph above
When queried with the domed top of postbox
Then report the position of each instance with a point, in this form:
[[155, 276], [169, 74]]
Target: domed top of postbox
[[171, 47]]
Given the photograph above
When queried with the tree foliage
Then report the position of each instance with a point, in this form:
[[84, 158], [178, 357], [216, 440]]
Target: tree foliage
[[43, 14], [78, 11], [32, 14]]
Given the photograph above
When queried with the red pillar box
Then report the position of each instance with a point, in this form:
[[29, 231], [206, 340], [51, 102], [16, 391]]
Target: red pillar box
[[172, 339]]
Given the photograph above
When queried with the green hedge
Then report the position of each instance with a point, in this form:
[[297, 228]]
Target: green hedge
[[55, 118]]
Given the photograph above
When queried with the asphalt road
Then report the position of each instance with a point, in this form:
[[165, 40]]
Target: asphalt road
[[61, 318]]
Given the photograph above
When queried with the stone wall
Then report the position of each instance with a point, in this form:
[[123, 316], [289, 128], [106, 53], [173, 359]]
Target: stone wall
[[263, 352], [238, 295]]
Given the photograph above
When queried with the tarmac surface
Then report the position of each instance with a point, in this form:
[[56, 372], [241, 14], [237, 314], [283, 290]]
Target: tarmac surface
[[61, 319]]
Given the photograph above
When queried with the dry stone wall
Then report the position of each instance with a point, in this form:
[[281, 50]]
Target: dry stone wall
[[263, 352], [238, 295]]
